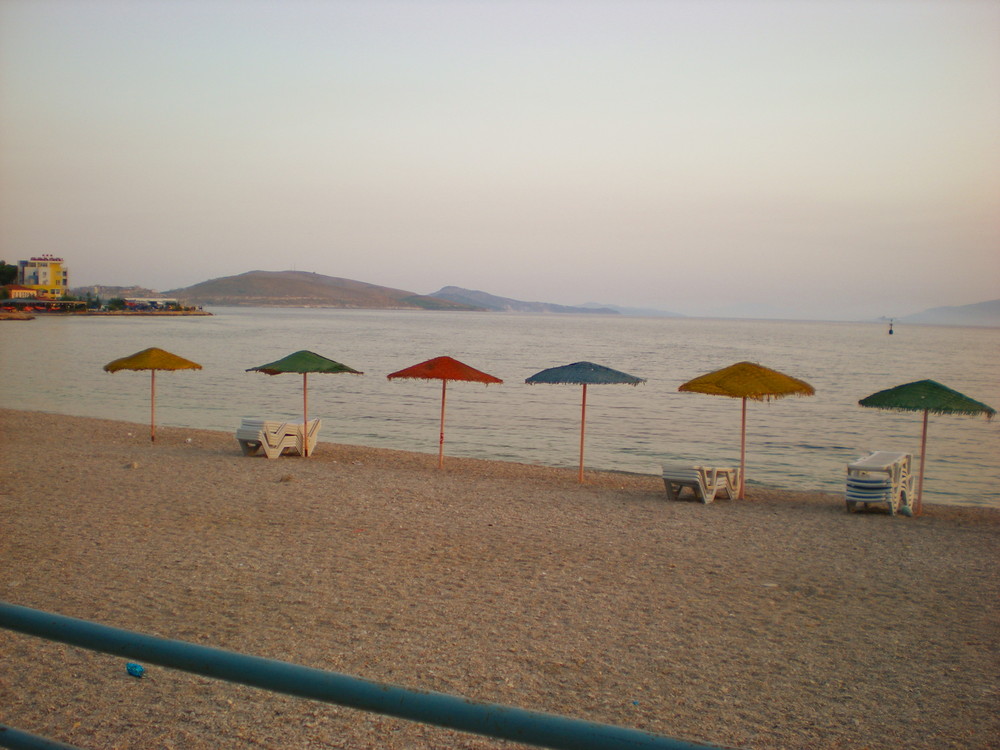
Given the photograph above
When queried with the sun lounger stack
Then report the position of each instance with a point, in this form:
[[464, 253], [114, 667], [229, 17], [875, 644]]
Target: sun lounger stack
[[705, 481], [273, 437], [881, 477], [312, 435]]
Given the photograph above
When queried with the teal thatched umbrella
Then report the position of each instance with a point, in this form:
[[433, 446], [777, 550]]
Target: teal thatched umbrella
[[583, 373], [926, 396], [304, 362]]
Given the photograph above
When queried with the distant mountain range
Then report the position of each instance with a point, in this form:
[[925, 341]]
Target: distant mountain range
[[484, 301], [979, 314], [642, 312], [303, 289]]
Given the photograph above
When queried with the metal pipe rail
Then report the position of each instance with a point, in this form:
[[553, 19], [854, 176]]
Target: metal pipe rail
[[441, 709], [15, 739]]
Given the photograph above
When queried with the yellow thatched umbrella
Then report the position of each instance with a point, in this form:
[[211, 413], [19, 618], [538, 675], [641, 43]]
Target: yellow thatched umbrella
[[152, 359], [747, 380]]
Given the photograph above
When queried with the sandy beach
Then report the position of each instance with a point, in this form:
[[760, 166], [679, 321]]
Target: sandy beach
[[780, 621]]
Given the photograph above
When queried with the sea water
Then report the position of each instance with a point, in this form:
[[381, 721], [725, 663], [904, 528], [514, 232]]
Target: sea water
[[54, 364]]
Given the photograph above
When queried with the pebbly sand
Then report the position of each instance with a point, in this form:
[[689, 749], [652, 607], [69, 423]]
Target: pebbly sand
[[776, 622]]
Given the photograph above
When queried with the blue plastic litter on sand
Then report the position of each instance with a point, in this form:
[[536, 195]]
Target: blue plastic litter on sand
[[135, 670]]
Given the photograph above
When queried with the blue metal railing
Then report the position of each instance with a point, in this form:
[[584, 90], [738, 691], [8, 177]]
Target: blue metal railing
[[18, 740], [441, 709]]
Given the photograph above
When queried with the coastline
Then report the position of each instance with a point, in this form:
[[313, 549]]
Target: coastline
[[105, 313], [154, 313], [776, 622]]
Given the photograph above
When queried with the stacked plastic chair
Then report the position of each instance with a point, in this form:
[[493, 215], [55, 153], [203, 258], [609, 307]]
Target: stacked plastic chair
[[880, 477], [275, 438], [706, 482]]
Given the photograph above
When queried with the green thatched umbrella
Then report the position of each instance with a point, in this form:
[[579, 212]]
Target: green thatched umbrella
[[152, 359], [304, 362], [926, 396], [583, 373], [747, 380]]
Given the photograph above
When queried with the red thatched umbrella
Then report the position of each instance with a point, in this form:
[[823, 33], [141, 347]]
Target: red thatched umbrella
[[443, 369]]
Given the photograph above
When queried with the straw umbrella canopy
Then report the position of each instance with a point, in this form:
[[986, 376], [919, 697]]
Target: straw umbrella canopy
[[443, 369], [152, 359], [926, 396], [583, 373], [304, 362], [747, 380]]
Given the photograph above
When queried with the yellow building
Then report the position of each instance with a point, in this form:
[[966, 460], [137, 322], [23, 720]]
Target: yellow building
[[45, 274]]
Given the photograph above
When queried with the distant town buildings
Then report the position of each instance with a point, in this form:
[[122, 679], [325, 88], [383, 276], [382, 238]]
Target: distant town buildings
[[16, 291], [151, 303], [42, 284], [46, 275]]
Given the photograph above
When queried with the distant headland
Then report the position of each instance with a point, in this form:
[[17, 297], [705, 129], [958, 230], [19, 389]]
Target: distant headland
[[304, 289]]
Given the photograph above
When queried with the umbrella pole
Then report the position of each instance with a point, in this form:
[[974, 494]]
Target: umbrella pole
[[583, 430], [743, 452], [444, 391], [152, 407], [919, 505], [305, 415]]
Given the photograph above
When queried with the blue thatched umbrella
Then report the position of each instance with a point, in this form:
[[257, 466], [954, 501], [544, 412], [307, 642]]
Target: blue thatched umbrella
[[584, 373]]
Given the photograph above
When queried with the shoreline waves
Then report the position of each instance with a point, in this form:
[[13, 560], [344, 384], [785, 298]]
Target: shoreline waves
[[781, 621]]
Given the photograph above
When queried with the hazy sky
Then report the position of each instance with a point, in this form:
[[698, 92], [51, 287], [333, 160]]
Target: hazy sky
[[801, 158]]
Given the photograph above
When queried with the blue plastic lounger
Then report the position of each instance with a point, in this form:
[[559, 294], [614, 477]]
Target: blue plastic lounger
[[706, 482], [880, 477]]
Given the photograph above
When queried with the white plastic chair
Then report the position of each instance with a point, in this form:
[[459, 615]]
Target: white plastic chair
[[706, 482], [273, 437], [881, 477]]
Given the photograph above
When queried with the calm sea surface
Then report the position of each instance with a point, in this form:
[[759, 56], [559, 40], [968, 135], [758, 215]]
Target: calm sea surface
[[54, 364]]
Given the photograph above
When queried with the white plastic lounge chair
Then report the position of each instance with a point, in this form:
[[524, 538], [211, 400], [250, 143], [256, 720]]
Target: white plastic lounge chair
[[705, 481], [312, 435], [274, 438], [881, 477]]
